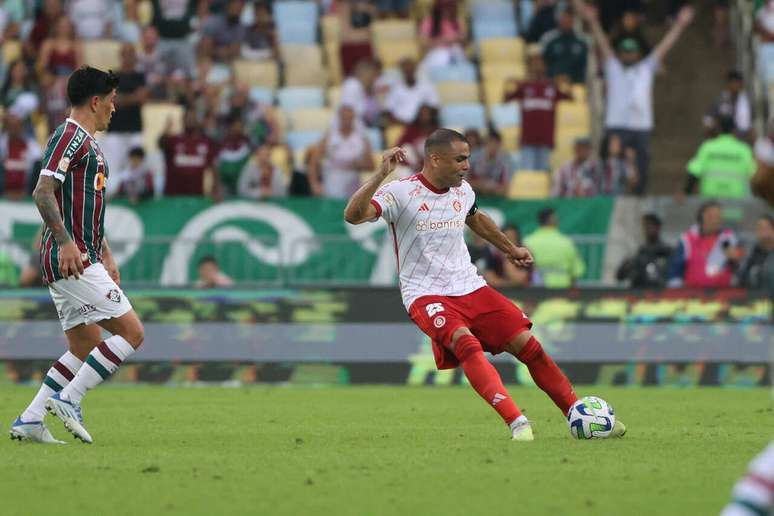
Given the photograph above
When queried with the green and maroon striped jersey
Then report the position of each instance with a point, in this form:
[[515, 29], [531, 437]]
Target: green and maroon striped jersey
[[73, 157]]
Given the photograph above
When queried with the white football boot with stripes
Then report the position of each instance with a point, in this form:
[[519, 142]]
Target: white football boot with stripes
[[33, 431], [70, 414], [521, 430]]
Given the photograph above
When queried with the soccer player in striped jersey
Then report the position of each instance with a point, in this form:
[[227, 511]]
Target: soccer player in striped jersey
[[753, 494], [77, 263], [441, 289]]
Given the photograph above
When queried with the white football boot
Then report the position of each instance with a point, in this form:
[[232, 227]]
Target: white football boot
[[33, 431], [70, 414], [521, 430]]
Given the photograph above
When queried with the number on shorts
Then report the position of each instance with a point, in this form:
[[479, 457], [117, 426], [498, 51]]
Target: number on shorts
[[434, 308]]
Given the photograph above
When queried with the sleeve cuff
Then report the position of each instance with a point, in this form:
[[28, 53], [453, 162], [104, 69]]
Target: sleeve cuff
[[378, 207], [58, 176]]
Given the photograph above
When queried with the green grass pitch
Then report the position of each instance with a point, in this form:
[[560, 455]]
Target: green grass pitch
[[380, 450]]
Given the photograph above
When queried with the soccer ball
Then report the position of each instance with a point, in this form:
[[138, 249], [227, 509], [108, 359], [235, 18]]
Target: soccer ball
[[590, 417]]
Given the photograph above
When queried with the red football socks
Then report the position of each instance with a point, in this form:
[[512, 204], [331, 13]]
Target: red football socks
[[484, 378], [547, 375]]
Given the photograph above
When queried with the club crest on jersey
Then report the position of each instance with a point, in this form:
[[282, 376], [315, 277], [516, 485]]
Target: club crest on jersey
[[100, 160], [64, 164], [114, 295], [457, 205], [439, 321], [416, 191], [99, 181]]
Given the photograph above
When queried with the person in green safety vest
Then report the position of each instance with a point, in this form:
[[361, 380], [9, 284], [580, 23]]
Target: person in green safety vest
[[556, 258], [722, 167], [9, 274]]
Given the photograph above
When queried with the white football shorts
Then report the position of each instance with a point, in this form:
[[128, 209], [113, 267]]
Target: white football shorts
[[91, 298]]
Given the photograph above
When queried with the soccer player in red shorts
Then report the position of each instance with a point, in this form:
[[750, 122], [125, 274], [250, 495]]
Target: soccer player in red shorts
[[441, 289]]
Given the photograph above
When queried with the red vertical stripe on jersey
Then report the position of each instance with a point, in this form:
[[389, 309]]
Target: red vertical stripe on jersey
[[78, 206], [47, 258], [95, 221], [395, 245], [64, 141]]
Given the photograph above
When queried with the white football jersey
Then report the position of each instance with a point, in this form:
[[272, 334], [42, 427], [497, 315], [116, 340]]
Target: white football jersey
[[427, 226]]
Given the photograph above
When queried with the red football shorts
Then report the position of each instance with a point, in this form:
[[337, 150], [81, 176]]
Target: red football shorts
[[489, 315]]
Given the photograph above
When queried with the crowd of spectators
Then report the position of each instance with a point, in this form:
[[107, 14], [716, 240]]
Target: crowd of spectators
[[181, 52], [234, 143], [706, 255]]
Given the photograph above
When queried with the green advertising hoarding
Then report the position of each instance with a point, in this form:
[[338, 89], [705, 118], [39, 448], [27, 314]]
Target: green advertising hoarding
[[292, 241]]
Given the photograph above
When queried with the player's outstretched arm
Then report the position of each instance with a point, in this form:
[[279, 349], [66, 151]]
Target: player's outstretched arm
[[591, 15], [45, 199], [684, 18], [359, 208], [484, 226]]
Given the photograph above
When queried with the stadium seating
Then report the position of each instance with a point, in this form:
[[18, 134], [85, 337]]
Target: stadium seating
[[494, 90], [289, 11], [154, 121], [530, 184], [464, 116], [296, 22], [392, 134], [458, 92], [390, 53], [280, 158], [103, 54], [310, 54], [495, 29], [573, 115], [464, 72], [334, 96], [502, 50], [262, 95], [310, 119], [392, 30], [511, 136], [256, 73], [492, 11], [329, 28], [301, 140], [292, 98], [505, 115], [375, 139], [300, 75], [502, 71], [766, 62], [12, 50], [333, 60]]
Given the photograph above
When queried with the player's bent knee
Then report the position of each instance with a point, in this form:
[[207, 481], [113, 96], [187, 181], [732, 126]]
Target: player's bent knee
[[135, 336], [459, 332], [466, 347], [518, 342]]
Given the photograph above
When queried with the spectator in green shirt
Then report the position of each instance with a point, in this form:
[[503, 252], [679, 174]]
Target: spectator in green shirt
[[723, 165], [556, 258], [564, 51]]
